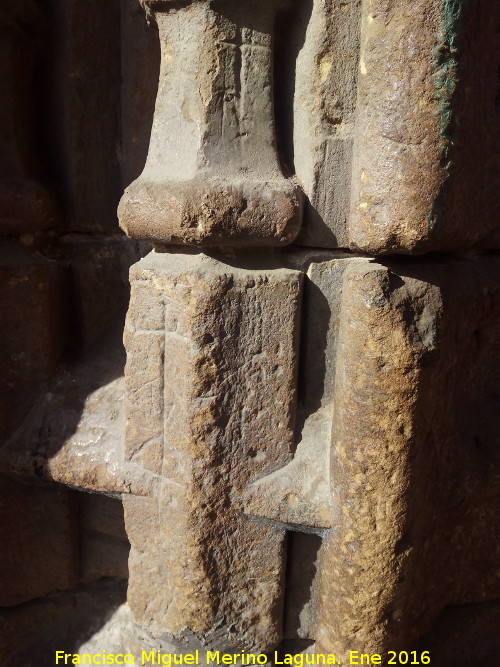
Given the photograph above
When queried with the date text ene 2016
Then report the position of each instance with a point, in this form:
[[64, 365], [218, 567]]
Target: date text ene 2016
[[394, 658]]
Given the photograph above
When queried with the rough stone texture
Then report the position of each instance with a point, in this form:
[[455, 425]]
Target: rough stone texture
[[28, 354], [367, 518], [104, 543], [300, 493], [414, 462], [25, 204], [32, 633], [39, 538], [140, 45], [397, 390], [426, 155], [324, 107], [212, 175], [74, 432], [210, 382], [408, 384]]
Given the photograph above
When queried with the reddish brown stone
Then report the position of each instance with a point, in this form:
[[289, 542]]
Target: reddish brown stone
[[426, 156], [414, 459], [210, 398]]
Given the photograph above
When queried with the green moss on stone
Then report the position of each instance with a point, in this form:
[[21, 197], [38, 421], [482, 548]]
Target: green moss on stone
[[445, 61]]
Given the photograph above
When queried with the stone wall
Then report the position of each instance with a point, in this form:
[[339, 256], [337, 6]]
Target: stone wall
[[304, 435], [64, 283]]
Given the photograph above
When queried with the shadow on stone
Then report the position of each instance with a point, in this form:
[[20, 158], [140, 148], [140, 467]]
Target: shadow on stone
[[301, 585], [33, 632]]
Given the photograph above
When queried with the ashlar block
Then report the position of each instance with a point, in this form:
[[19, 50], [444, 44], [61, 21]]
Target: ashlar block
[[396, 464], [210, 406]]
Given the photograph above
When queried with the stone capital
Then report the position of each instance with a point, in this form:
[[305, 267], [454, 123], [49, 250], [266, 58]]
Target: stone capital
[[213, 175]]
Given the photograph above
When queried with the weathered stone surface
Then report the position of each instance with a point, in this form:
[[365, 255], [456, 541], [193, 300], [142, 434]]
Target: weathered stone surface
[[212, 175], [426, 155], [407, 388], [25, 204], [39, 537], [414, 460], [104, 546], [325, 90], [385, 477], [300, 493], [32, 633], [212, 409], [74, 432], [31, 292], [397, 459]]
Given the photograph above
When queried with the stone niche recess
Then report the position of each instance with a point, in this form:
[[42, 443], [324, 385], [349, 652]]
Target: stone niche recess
[[250, 345]]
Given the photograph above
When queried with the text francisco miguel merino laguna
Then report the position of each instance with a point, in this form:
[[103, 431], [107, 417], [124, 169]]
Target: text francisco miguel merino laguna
[[210, 657]]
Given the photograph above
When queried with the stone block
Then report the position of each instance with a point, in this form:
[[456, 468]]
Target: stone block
[[39, 537], [396, 465], [414, 460], [388, 116], [211, 410], [33, 299], [74, 432], [426, 153], [300, 493], [324, 114], [212, 176]]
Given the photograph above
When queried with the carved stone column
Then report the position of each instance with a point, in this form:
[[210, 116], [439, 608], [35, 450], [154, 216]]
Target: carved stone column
[[211, 342], [427, 136], [213, 176]]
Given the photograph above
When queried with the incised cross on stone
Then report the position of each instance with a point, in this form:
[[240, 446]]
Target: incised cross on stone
[[213, 175]]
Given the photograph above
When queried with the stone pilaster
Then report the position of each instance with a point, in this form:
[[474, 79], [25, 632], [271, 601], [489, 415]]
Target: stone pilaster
[[396, 463], [210, 406]]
